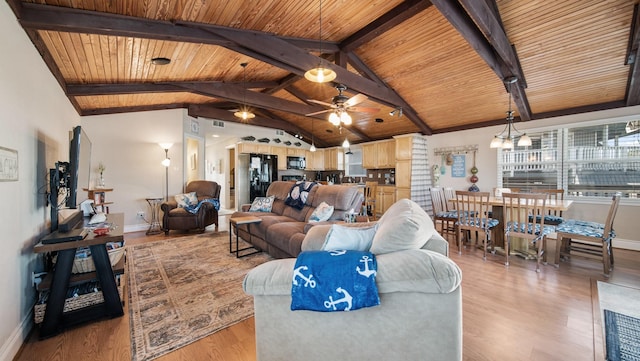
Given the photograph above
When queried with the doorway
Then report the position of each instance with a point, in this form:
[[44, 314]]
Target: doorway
[[231, 184]]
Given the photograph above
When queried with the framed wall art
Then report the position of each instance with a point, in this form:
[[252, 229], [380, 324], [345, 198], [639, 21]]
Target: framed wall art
[[8, 165]]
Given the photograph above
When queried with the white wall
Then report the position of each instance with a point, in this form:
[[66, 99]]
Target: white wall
[[35, 120], [127, 145]]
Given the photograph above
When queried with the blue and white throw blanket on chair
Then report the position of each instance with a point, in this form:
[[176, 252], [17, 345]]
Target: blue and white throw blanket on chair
[[329, 281], [194, 208]]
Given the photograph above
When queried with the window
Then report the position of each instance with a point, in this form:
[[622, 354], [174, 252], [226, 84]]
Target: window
[[354, 163], [591, 161]]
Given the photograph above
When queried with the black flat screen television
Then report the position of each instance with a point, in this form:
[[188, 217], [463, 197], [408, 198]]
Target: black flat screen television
[[72, 177], [79, 167]]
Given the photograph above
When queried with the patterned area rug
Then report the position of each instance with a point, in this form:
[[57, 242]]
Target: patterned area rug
[[183, 289]]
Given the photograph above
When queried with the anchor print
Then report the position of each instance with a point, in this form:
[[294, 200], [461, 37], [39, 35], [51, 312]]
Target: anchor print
[[307, 280], [366, 272], [347, 298]]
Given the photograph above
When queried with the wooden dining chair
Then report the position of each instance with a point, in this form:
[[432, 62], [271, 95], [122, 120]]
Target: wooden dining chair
[[589, 239], [441, 213], [519, 221], [370, 192], [471, 208], [552, 217]]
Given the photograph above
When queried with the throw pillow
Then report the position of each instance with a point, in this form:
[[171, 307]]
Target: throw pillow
[[405, 225], [349, 238], [186, 199], [322, 213], [262, 204]]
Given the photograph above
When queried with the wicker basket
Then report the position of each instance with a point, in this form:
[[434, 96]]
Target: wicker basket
[[83, 265], [75, 303]]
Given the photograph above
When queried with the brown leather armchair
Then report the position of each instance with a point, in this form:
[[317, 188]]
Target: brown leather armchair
[[178, 218]]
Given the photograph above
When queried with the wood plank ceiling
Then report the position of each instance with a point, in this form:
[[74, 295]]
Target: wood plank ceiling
[[442, 61]]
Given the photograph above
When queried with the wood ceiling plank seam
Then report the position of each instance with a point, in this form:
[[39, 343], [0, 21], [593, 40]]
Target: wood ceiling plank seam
[[75, 55], [112, 43], [59, 60]]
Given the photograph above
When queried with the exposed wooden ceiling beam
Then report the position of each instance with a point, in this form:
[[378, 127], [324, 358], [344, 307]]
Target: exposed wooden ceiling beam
[[458, 17], [135, 88], [395, 16], [633, 59], [131, 109]]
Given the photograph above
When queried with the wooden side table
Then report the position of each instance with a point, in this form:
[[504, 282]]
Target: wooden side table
[[233, 227]]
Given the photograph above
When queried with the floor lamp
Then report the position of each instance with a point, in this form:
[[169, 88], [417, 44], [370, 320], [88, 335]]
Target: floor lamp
[[166, 162]]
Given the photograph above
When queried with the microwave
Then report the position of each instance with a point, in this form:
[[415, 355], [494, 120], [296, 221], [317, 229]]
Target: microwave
[[296, 163]]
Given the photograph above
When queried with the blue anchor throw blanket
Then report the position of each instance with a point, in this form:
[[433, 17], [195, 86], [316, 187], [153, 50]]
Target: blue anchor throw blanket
[[328, 281], [194, 208]]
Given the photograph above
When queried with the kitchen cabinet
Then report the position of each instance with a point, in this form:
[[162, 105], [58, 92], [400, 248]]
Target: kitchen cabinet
[[369, 156], [333, 159], [379, 155], [315, 160], [258, 148], [404, 147], [295, 152], [403, 173], [385, 197], [281, 153]]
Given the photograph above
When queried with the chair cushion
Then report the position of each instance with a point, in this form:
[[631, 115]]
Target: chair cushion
[[548, 219], [403, 226], [528, 228], [584, 228], [484, 223], [453, 215]]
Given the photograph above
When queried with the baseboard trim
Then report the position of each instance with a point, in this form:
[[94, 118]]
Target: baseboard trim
[[13, 344], [626, 244], [135, 228]]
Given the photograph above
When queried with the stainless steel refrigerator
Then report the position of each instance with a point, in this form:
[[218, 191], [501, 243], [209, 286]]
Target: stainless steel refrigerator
[[255, 173]]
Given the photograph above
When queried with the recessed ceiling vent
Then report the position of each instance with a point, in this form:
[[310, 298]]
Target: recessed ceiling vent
[[217, 123], [279, 132]]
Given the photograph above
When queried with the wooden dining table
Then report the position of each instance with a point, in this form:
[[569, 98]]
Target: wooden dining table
[[497, 209]]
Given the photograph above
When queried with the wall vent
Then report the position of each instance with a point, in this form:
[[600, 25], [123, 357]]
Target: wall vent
[[279, 132], [217, 123]]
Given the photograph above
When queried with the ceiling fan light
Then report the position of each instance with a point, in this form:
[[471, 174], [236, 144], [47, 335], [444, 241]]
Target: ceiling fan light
[[524, 141], [334, 119], [320, 74], [345, 118], [346, 144], [496, 142]]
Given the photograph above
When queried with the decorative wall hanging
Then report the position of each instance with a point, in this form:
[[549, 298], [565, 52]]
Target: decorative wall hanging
[[8, 165]]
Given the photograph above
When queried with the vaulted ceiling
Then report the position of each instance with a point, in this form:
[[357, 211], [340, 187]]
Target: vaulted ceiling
[[443, 62]]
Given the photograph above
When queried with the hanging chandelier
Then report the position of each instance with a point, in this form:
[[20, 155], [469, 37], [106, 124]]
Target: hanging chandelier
[[320, 74], [244, 113], [506, 142]]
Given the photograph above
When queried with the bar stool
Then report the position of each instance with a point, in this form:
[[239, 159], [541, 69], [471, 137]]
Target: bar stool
[[370, 191]]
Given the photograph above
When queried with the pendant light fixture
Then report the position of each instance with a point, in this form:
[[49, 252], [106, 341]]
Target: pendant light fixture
[[320, 74], [506, 142], [244, 113], [313, 146], [346, 144]]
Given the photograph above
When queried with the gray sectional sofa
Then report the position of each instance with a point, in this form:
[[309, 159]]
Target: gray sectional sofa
[[281, 231]]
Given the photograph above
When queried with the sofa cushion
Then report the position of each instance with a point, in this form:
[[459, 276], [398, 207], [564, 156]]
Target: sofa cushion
[[186, 199], [287, 236], [322, 213], [403, 226], [262, 204], [343, 198], [349, 238]]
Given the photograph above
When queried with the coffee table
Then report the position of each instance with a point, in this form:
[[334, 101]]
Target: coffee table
[[233, 227]]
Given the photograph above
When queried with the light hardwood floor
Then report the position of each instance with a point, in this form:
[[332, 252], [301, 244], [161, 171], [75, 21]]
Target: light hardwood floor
[[509, 313]]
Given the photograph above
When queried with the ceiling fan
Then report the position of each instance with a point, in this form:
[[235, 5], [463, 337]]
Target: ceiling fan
[[341, 104]]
